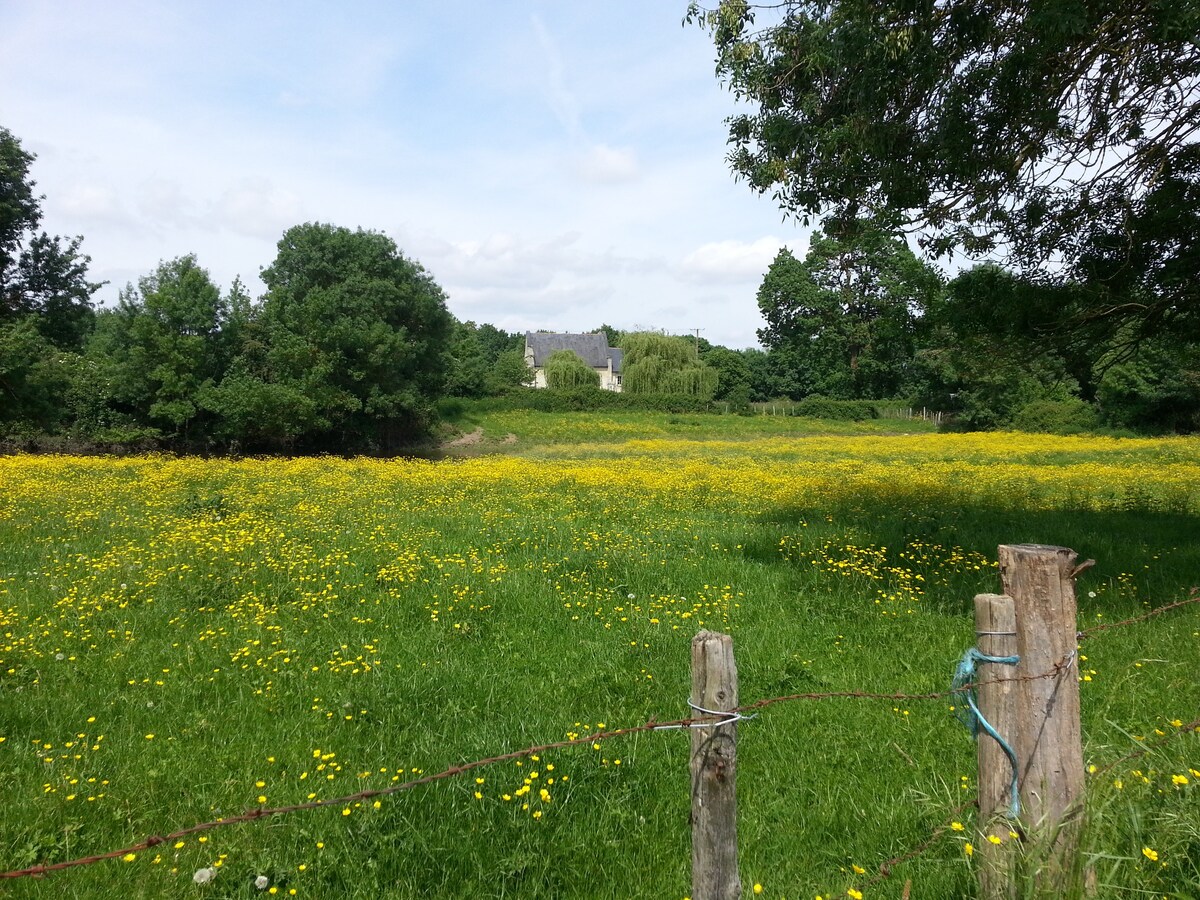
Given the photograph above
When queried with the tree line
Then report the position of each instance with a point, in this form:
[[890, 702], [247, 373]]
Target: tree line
[[351, 346]]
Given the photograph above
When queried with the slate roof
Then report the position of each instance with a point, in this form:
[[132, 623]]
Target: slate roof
[[592, 347]]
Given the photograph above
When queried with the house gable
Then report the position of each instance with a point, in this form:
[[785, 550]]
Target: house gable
[[593, 349]]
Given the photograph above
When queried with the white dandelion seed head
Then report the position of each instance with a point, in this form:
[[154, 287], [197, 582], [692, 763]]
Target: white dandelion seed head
[[262, 882], [205, 875]]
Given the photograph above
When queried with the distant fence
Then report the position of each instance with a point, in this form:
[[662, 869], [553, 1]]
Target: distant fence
[[848, 410], [1031, 716]]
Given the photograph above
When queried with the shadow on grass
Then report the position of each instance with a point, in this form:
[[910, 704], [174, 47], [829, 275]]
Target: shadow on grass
[[1144, 558]]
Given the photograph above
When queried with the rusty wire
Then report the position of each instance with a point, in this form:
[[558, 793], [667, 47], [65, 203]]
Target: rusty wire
[[653, 724], [1158, 610]]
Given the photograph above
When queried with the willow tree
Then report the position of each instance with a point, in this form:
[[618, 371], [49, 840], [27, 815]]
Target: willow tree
[[566, 369], [657, 363]]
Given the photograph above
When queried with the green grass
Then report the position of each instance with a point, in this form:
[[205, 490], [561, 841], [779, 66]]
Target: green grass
[[534, 428], [414, 615]]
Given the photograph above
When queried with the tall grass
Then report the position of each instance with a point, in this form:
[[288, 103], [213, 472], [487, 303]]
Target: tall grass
[[183, 639]]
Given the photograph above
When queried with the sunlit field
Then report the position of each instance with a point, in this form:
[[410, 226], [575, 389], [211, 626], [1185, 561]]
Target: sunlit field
[[185, 639]]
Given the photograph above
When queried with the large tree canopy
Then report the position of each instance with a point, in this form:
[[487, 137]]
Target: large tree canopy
[[847, 314], [1043, 130], [665, 364], [359, 330]]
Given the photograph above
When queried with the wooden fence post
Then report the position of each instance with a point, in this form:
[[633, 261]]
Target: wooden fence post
[[713, 769], [1048, 740], [996, 694]]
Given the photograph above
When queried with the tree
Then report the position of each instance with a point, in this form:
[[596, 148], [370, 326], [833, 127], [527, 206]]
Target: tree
[[509, 372], [567, 370], [34, 378], [1035, 129], [734, 379], [42, 277], [848, 313], [657, 363], [1156, 389], [612, 334], [359, 331], [474, 353], [165, 344], [983, 355]]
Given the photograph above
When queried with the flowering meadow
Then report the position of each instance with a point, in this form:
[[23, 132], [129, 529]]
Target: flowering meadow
[[186, 639]]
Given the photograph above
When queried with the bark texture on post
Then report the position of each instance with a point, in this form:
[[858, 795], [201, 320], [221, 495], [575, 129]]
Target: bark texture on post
[[1049, 743], [713, 770], [996, 695]]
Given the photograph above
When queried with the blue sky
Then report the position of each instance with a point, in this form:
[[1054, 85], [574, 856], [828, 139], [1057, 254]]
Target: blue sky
[[554, 165]]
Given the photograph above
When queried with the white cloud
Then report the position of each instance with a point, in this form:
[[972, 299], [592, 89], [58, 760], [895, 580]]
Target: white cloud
[[257, 208], [561, 101], [93, 203], [729, 260]]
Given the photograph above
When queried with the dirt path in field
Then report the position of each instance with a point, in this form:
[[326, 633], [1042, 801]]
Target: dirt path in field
[[466, 440]]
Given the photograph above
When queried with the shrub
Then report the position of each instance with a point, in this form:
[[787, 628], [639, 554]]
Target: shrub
[[1070, 416]]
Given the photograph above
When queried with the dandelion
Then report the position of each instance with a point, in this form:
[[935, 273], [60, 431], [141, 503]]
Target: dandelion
[[1179, 779], [994, 839], [262, 882], [205, 875], [758, 888], [129, 857], [968, 849], [857, 895], [957, 826]]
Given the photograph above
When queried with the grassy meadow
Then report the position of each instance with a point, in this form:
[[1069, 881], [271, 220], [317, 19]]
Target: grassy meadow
[[182, 639]]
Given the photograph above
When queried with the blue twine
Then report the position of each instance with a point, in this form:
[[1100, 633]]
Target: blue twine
[[971, 717]]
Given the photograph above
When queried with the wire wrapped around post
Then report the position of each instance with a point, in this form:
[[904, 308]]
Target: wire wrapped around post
[[973, 719]]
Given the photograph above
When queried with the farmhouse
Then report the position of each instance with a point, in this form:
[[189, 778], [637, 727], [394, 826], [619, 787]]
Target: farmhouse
[[593, 348]]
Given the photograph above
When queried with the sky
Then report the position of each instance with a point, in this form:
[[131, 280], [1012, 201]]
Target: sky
[[553, 165]]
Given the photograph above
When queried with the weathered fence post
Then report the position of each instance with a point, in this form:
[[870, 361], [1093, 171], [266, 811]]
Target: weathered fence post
[[1047, 740], [995, 635], [713, 769]]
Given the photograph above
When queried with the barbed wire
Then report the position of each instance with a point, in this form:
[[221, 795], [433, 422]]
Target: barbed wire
[[709, 719], [1157, 611]]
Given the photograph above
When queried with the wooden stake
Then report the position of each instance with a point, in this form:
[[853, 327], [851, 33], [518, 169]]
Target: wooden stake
[[1048, 743], [713, 770], [995, 635]]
